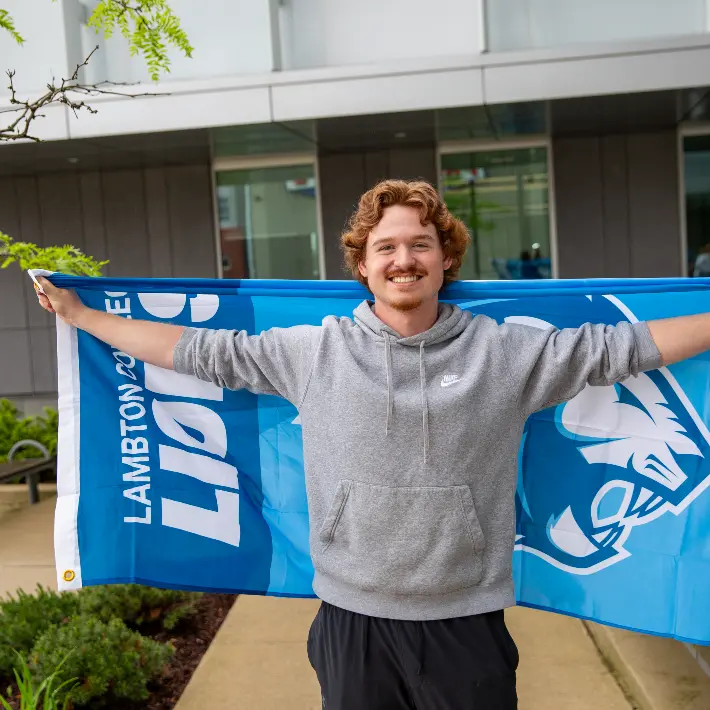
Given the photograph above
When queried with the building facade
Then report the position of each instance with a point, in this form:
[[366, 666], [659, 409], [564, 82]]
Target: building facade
[[569, 135], [572, 136]]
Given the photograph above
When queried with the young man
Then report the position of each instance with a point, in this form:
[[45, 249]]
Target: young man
[[412, 414]]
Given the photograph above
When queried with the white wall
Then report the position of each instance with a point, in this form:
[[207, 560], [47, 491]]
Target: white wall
[[530, 24], [229, 37], [317, 33], [43, 55]]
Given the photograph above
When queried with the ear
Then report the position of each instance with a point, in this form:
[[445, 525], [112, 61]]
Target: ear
[[362, 268], [447, 263]]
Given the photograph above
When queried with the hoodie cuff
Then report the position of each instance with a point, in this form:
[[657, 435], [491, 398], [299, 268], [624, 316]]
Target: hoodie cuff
[[649, 356], [183, 360]]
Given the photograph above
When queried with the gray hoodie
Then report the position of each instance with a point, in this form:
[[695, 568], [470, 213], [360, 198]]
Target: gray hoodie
[[410, 444]]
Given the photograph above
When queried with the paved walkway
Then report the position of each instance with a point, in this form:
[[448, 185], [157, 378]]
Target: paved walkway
[[258, 658], [27, 548]]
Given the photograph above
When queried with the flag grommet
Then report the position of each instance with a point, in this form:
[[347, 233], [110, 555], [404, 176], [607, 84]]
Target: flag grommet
[[69, 575]]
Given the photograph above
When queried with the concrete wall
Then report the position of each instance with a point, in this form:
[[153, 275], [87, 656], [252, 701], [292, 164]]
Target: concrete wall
[[617, 205], [345, 176], [320, 33], [148, 222]]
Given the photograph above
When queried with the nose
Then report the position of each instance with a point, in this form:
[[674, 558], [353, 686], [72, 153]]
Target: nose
[[404, 257]]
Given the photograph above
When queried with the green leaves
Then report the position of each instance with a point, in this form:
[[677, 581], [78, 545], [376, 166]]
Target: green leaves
[[25, 618], [8, 24], [44, 695], [148, 25], [14, 428], [91, 636], [111, 661], [138, 605], [66, 259]]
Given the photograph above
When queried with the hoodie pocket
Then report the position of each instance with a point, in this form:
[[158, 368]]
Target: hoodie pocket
[[396, 540]]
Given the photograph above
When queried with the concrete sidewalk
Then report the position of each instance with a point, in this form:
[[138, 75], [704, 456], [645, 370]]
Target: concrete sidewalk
[[258, 659], [27, 547]]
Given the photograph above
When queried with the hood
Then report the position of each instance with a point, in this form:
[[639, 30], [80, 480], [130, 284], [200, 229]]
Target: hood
[[450, 322]]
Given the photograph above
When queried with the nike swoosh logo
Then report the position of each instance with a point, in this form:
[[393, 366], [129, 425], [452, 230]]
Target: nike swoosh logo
[[450, 382]]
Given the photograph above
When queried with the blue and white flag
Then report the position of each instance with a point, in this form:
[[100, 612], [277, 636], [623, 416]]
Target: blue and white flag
[[169, 481]]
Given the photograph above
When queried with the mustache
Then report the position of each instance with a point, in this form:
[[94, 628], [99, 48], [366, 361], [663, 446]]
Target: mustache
[[411, 272]]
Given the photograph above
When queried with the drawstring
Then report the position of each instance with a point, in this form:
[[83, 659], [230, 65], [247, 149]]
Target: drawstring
[[425, 405], [422, 387], [390, 397]]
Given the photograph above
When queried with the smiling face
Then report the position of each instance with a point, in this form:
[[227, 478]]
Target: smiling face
[[404, 263]]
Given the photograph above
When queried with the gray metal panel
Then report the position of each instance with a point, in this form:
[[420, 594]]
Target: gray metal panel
[[31, 230], [124, 212], [60, 206], [376, 167], [110, 214], [191, 213], [653, 204], [42, 352], [92, 212], [414, 164], [15, 373], [578, 198], [342, 181], [615, 196], [156, 198], [13, 306]]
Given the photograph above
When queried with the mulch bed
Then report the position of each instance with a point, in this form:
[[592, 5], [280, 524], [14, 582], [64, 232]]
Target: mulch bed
[[190, 639]]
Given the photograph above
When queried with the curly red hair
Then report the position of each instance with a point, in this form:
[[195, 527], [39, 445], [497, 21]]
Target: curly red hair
[[453, 235]]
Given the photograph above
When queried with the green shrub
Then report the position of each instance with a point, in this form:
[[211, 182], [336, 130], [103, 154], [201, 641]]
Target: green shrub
[[44, 694], [24, 618], [67, 259], [14, 428], [110, 661], [137, 605]]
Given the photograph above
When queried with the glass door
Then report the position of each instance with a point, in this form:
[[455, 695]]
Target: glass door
[[268, 222], [503, 198]]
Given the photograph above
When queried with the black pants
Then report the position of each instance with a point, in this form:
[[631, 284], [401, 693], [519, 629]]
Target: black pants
[[368, 663]]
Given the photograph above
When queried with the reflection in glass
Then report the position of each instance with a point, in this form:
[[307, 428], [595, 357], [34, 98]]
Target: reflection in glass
[[697, 204], [268, 223], [502, 197]]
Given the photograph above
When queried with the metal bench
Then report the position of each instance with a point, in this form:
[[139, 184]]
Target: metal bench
[[29, 469]]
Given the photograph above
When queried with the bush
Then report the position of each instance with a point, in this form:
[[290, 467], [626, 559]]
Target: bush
[[34, 694], [14, 428], [136, 605], [109, 661], [24, 618]]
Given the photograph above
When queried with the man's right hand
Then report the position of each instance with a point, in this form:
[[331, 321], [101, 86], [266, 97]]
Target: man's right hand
[[144, 340], [64, 302]]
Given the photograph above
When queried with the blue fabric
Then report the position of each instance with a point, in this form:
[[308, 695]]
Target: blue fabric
[[621, 537]]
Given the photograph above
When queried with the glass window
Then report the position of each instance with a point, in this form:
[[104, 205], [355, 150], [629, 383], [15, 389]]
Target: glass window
[[268, 223], [502, 196], [531, 24], [697, 204]]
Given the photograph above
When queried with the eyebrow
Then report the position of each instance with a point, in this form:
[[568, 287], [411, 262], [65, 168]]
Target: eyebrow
[[417, 237]]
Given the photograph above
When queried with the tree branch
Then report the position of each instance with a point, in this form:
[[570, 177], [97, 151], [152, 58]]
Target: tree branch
[[66, 93]]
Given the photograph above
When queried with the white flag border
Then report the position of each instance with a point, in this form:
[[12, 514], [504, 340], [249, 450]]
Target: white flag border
[[66, 537]]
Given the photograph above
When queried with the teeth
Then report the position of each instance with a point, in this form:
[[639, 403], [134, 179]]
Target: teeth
[[404, 279]]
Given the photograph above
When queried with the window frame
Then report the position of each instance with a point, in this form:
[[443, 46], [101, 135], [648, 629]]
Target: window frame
[[480, 146], [255, 162]]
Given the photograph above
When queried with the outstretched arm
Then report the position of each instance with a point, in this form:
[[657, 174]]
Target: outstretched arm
[[555, 365], [150, 342], [277, 361], [682, 337]]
